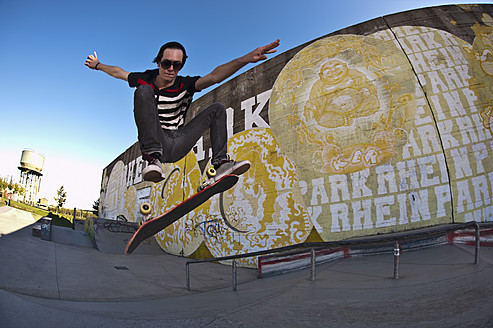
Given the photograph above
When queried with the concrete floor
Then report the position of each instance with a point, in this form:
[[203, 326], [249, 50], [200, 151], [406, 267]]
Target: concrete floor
[[46, 284]]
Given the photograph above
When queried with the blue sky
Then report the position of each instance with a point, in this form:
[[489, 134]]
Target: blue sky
[[80, 119]]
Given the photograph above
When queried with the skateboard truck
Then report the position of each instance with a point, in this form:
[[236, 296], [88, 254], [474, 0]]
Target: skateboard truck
[[211, 173], [145, 209]]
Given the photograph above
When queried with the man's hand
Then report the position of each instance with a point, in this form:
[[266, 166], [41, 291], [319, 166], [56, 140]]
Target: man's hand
[[92, 61], [224, 71], [261, 52]]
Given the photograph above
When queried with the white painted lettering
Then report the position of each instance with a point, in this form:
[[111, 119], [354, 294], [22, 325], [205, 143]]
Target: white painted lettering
[[252, 117], [421, 116], [359, 178], [461, 161], [338, 186], [454, 104], [386, 176], [382, 209], [437, 85], [419, 205], [446, 129], [438, 107], [466, 129], [230, 120], [451, 77], [318, 189], [470, 96], [362, 215], [432, 57], [442, 194], [314, 212], [429, 139], [481, 191], [463, 197], [426, 169], [340, 214], [429, 38], [138, 169], [416, 43], [401, 199], [198, 149], [418, 62], [480, 153], [411, 145], [408, 178]]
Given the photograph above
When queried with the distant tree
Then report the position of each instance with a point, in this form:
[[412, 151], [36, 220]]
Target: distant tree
[[21, 190], [3, 183], [61, 197], [11, 184], [95, 206], [3, 186], [15, 188]]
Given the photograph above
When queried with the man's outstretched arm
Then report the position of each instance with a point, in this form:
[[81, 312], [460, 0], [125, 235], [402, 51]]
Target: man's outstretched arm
[[224, 71], [115, 71]]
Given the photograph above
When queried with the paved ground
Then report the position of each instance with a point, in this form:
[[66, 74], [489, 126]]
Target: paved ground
[[46, 284]]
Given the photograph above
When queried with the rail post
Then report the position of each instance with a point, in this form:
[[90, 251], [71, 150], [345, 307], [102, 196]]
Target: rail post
[[476, 244], [187, 274], [234, 275], [312, 264], [397, 253]]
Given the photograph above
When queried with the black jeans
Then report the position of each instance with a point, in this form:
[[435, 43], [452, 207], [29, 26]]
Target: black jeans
[[173, 145]]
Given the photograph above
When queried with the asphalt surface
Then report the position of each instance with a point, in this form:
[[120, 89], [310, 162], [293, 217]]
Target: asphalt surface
[[68, 283]]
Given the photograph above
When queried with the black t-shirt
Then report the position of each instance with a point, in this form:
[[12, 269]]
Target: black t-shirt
[[172, 102]]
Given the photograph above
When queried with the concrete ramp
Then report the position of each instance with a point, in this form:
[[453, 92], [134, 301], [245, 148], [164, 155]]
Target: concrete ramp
[[68, 236], [112, 236], [12, 219]]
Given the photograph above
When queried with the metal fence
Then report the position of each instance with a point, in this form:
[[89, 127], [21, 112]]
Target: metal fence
[[395, 239]]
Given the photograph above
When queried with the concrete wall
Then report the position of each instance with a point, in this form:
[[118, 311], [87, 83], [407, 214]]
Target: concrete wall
[[380, 127]]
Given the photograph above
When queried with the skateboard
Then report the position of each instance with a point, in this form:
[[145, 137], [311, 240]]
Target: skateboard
[[153, 226]]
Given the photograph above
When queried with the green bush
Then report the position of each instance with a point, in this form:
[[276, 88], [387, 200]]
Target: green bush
[[60, 220]]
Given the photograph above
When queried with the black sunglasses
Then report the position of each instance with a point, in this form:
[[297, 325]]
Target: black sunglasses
[[165, 64]]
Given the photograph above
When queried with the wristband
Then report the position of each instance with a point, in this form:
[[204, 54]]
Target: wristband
[[96, 67]]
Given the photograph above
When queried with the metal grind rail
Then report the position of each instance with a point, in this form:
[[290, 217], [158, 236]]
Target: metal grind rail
[[303, 247]]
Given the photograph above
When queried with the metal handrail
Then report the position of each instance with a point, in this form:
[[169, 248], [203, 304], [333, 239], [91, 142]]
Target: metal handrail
[[397, 239]]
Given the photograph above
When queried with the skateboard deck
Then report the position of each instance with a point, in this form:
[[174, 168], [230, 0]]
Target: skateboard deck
[[153, 226]]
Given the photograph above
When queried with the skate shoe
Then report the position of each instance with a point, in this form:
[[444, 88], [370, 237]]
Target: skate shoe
[[228, 166], [153, 171]]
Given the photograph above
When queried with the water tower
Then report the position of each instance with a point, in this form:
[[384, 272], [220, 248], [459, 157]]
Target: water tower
[[31, 166]]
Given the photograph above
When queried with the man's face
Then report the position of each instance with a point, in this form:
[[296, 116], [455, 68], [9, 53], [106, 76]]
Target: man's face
[[171, 55]]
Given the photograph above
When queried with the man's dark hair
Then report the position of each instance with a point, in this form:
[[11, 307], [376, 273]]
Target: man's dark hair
[[171, 45]]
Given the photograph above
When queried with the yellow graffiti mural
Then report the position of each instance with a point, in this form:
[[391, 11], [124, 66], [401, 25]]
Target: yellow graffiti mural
[[341, 95], [114, 191], [452, 81], [183, 178], [481, 56], [383, 130], [344, 102], [371, 134], [131, 204], [265, 209]]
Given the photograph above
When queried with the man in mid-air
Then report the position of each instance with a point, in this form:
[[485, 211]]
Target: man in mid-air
[[162, 99]]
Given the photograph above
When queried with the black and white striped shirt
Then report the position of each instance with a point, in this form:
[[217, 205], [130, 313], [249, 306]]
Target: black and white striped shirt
[[172, 102]]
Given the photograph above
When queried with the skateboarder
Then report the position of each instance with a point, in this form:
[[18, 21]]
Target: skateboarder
[[162, 99]]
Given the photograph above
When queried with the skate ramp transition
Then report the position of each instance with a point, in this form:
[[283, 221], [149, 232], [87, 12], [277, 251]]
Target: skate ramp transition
[[112, 236]]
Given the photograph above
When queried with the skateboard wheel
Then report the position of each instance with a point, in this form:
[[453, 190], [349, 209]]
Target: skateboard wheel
[[211, 172], [145, 208]]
